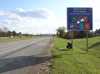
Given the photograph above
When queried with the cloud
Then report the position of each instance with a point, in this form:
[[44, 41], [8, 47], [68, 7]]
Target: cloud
[[39, 13], [29, 21]]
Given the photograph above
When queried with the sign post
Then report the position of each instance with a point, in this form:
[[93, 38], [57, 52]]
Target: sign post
[[72, 36], [87, 41], [79, 19]]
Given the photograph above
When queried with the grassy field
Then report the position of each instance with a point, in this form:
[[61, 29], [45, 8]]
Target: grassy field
[[76, 61], [7, 39]]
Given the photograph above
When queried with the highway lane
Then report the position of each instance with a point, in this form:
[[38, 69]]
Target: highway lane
[[26, 60], [6, 48]]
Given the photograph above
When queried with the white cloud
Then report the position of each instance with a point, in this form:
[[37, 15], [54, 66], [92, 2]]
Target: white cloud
[[39, 13], [20, 9], [96, 13], [29, 21]]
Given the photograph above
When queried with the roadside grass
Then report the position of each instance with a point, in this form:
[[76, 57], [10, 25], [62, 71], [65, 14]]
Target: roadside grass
[[76, 60], [7, 39]]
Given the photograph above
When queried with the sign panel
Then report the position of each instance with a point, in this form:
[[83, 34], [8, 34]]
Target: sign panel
[[79, 19]]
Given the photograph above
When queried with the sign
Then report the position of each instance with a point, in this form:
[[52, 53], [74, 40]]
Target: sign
[[79, 19]]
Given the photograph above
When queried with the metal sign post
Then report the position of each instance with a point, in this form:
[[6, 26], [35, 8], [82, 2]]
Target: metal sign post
[[72, 41], [87, 41], [72, 36]]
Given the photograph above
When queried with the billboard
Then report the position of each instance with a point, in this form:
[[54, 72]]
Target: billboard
[[79, 19]]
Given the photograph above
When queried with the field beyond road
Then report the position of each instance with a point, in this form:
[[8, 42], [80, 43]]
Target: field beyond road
[[78, 60], [8, 39]]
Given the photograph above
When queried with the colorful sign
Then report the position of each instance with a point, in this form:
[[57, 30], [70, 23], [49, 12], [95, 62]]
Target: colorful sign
[[79, 19]]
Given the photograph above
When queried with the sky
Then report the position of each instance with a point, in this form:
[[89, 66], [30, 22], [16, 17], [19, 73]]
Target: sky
[[41, 16]]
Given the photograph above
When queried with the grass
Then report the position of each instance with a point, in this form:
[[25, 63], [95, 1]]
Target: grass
[[76, 61], [7, 39]]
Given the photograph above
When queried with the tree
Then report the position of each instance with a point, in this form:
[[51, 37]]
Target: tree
[[97, 32], [14, 33], [9, 33], [61, 31], [20, 34]]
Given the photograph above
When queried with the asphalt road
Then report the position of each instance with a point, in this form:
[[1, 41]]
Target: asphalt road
[[24, 57]]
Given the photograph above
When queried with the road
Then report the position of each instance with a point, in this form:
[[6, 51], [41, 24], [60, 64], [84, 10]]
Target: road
[[25, 57]]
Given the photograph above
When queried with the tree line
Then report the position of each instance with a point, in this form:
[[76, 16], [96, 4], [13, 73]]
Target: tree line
[[12, 34], [61, 32]]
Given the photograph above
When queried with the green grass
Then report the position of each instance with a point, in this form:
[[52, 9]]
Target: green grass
[[7, 39], [76, 61]]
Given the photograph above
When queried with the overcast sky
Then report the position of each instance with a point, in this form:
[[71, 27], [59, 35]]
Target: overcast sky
[[42, 16]]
